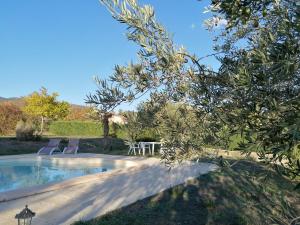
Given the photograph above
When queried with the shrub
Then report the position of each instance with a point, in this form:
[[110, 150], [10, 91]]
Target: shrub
[[10, 114], [25, 131], [137, 129], [148, 134], [121, 132]]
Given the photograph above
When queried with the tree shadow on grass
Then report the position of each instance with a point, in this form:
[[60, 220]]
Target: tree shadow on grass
[[97, 145], [233, 196]]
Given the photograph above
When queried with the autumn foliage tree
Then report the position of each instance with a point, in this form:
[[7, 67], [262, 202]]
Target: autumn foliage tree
[[79, 113], [10, 114], [45, 106]]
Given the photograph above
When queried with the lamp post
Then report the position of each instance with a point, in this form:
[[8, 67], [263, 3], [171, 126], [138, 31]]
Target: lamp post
[[25, 216]]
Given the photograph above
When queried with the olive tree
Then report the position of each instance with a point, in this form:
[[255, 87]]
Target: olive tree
[[164, 71], [259, 80], [255, 92], [104, 101]]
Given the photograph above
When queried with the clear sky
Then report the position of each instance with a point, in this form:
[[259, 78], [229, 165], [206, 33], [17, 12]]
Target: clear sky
[[62, 44]]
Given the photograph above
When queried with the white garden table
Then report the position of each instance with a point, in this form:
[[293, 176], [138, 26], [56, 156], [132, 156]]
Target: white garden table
[[153, 143]]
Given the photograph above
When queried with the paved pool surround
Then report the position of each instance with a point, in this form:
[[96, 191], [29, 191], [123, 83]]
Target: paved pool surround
[[86, 197]]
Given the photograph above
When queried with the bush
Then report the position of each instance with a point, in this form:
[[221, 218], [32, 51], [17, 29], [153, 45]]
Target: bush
[[148, 134], [10, 114], [25, 131], [76, 128], [121, 132]]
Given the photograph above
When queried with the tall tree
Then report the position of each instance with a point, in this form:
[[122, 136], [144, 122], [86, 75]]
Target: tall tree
[[45, 106]]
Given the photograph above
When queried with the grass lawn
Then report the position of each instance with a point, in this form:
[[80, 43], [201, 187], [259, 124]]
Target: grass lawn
[[234, 196], [11, 146]]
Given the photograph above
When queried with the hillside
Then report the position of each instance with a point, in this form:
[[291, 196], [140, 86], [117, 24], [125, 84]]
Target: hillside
[[19, 101], [8, 99]]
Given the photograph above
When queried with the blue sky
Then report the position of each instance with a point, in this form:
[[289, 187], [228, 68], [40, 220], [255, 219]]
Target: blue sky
[[62, 44]]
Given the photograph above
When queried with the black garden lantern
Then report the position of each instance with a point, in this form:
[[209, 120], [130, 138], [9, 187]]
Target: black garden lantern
[[25, 216]]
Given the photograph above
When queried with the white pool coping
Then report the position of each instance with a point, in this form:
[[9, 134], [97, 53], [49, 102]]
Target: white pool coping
[[83, 198]]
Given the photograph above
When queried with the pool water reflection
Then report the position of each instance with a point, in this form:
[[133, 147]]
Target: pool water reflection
[[15, 174]]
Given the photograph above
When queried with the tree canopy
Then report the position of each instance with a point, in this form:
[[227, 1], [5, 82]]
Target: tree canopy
[[254, 93], [259, 80]]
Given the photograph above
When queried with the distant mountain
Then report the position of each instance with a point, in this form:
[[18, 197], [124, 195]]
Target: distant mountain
[[21, 102], [7, 99]]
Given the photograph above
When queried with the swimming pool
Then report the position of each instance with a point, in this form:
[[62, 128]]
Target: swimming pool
[[27, 172]]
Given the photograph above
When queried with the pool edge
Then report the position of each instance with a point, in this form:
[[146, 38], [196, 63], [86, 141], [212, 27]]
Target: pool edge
[[136, 164]]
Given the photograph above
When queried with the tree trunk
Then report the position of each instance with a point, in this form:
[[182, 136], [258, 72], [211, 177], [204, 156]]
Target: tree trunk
[[42, 126], [105, 121]]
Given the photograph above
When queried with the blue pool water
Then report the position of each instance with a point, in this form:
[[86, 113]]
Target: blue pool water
[[15, 174]]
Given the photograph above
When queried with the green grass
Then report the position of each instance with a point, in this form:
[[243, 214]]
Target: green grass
[[234, 196], [11, 146]]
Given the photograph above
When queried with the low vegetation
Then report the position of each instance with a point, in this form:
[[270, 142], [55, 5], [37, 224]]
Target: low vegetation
[[12, 146], [25, 131]]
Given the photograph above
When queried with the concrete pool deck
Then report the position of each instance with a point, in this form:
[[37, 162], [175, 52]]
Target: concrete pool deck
[[94, 195]]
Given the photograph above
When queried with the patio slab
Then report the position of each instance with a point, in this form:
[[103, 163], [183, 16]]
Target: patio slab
[[104, 193]]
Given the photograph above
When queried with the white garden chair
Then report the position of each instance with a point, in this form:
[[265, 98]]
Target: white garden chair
[[133, 147], [145, 146]]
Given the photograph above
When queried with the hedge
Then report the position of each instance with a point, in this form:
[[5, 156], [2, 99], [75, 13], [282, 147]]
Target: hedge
[[93, 129], [83, 128], [76, 128]]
